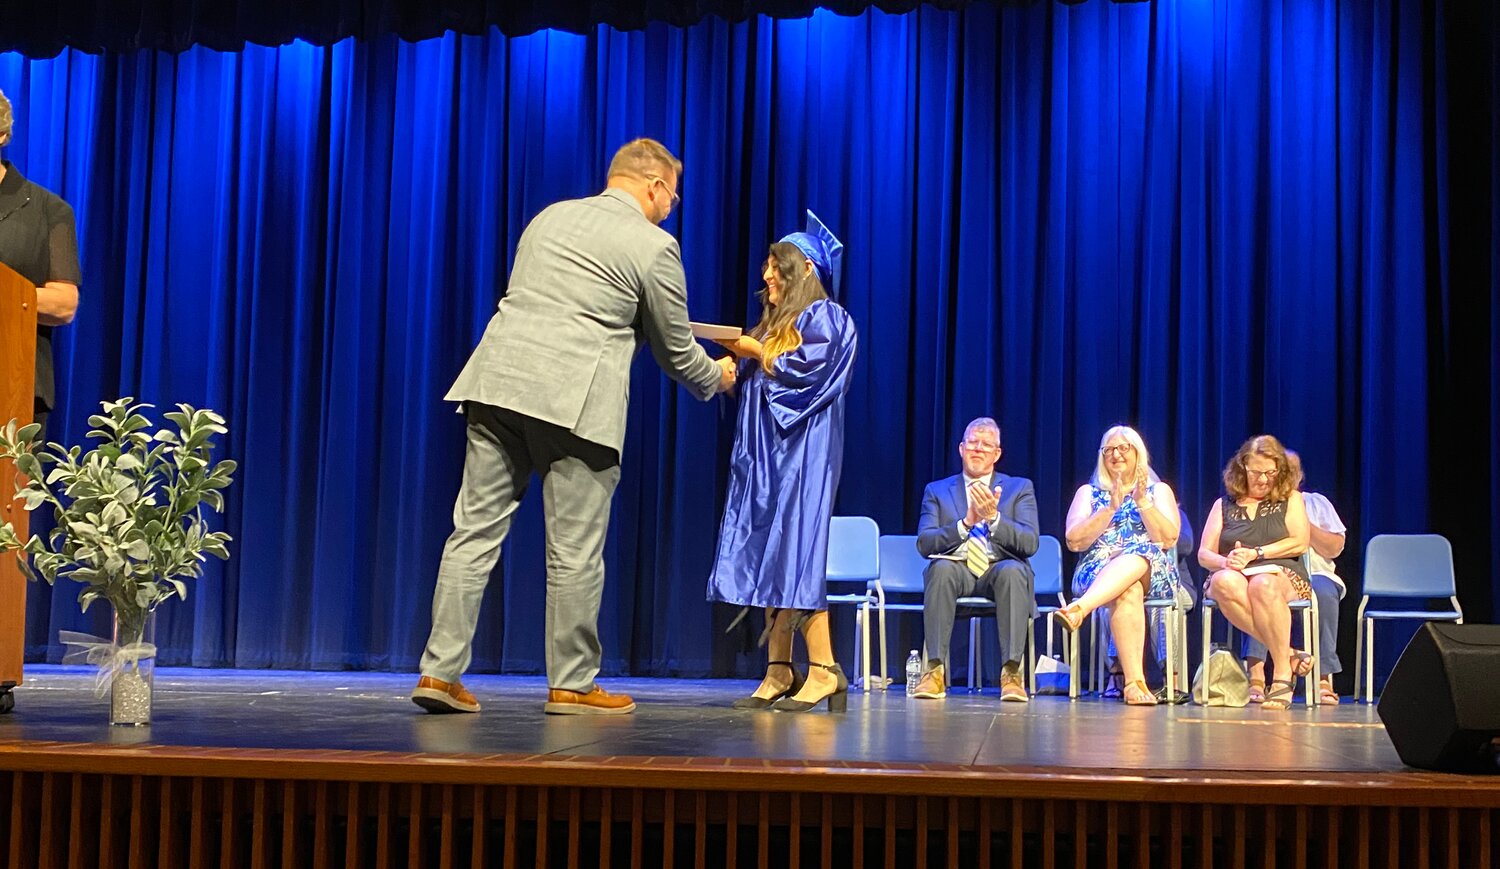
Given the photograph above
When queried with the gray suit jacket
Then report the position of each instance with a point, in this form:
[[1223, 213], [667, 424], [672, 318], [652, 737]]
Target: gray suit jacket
[[593, 279]]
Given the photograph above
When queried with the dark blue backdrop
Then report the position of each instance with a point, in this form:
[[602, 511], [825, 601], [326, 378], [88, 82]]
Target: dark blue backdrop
[[1208, 219]]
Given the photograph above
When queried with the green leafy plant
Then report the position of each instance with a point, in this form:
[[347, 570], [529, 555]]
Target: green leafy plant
[[129, 513]]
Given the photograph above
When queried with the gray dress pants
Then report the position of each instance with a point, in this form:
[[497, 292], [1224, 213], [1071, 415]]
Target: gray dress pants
[[1007, 583], [578, 483]]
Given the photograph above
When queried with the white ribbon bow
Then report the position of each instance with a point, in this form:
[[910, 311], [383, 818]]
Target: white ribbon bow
[[104, 654]]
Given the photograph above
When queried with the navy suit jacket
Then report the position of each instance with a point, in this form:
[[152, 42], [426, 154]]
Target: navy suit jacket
[[1013, 534]]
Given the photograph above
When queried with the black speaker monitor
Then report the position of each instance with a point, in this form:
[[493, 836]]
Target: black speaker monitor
[[1441, 706]]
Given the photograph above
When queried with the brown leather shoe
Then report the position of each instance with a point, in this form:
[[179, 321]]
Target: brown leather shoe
[[595, 702], [437, 696], [1011, 687], [932, 685]]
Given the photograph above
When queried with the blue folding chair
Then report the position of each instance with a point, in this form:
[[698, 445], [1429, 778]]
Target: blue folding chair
[[1176, 636], [901, 567], [1046, 564], [854, 557], [1410, 566], [1307, 609], [902, 572]]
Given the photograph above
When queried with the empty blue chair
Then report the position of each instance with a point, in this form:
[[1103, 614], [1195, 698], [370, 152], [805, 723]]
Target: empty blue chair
[[1046, 564], [1410, 566], [901, 567], [854, 557]]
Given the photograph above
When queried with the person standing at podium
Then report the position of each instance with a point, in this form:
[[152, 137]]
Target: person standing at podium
[[39, 241]]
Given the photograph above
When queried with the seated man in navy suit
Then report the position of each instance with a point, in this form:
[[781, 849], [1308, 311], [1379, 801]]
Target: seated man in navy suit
[[979, 531]]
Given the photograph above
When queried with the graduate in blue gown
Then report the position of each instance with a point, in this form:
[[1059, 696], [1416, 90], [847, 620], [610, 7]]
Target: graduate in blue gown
[[795, 369]]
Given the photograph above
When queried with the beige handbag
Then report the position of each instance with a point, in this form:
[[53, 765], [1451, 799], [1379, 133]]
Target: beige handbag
[[1221, 681]]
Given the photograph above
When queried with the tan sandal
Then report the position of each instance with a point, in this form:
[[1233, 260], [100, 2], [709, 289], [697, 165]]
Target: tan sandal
[[1257, 690], [1326, 695], [1137, 694], [1070, 616]]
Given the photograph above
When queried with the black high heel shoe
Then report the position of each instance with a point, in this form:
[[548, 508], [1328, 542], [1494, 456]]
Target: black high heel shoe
[[838, 701], [753, 702]]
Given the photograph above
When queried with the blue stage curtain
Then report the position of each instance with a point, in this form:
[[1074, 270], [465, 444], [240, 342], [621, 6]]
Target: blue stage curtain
[[44, 29], [1207, 219]]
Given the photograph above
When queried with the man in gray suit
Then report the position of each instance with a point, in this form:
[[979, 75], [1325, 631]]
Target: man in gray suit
[[979, 528], [547, 391]]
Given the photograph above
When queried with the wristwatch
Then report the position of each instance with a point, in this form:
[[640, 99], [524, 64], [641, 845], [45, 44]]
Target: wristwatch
[[1260, 552]]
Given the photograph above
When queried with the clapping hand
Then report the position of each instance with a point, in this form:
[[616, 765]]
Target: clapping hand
[[1140, 488], [983, 504]]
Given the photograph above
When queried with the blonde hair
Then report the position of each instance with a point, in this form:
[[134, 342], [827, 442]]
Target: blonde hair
[[639, 158], [1142, 457], [7, 120]]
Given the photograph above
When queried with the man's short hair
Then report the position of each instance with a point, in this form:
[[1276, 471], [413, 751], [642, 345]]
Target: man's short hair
[[985, 423], [641, 157]]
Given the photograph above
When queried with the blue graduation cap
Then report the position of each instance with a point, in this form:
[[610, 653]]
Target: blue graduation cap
[[823, 249]]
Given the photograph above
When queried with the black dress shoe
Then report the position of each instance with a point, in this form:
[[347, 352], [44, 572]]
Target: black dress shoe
[[1177, 699], [838, 701], [753, 702]]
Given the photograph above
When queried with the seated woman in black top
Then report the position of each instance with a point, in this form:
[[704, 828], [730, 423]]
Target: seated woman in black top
[[1253, 541]]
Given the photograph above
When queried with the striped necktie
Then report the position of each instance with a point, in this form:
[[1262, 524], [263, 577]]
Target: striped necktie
[[977, 549]]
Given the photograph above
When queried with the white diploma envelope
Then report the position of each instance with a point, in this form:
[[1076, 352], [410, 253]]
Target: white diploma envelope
[[1255, 569], [715, 332]]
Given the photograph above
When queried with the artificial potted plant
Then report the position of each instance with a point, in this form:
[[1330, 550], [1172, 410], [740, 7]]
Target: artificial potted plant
[[128, 525]]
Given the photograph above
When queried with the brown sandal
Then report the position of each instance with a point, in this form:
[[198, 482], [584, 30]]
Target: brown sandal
[[1279, 698]]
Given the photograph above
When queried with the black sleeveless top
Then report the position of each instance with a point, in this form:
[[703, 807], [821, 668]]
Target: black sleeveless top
[[1268, 526]]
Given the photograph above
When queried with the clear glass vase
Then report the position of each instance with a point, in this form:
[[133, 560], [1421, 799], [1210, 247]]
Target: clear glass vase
[[130, 686]]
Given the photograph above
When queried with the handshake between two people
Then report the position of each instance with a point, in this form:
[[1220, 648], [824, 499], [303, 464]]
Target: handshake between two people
[[743, 347]]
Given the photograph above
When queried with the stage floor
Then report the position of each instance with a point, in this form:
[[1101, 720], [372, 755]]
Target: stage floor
[[677, 718]]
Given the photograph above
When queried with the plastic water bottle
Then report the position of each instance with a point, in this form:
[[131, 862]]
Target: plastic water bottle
[[913, 672]]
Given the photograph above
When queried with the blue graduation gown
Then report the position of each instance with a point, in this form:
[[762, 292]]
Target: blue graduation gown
[[788, 448]]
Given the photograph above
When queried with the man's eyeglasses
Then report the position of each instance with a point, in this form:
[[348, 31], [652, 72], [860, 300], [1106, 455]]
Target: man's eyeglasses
[[1121, 450], [980, 446], [657, 179]]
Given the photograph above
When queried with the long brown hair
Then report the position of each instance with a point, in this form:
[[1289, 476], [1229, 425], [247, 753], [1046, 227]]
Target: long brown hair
[[800, 287], [1288, 474]]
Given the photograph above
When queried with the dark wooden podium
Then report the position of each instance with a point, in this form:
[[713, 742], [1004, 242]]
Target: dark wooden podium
[[17, 388]]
